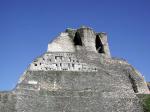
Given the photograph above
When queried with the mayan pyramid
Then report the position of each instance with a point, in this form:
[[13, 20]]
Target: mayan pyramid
[[77, 74]]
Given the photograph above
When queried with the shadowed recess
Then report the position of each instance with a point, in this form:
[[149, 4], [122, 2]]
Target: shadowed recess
[[134, 86], [77, 39], [99, 45]]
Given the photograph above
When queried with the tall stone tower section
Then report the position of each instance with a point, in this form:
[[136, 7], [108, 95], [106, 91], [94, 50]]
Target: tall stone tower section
[[84, 39], [77, 74]]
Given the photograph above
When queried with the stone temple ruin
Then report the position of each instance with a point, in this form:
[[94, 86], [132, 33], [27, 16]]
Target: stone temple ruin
[[77, 74]]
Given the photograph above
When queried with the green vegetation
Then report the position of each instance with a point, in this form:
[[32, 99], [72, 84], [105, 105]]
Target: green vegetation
[[146, 103]]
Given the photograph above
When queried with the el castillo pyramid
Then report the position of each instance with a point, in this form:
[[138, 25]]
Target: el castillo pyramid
[[77, 74]]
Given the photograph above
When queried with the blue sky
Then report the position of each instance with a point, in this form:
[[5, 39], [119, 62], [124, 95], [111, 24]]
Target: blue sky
[[26, 27]]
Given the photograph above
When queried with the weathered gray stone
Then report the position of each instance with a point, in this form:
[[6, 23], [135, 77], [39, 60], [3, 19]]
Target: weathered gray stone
[[77, 74], [7, 102], [148, 84]]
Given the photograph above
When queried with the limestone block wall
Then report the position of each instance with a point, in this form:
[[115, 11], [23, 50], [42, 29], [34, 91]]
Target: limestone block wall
[[134, 77], [63, 43], [88, 38], [137, 80], [61, 62], [50, 91], [7, 102]]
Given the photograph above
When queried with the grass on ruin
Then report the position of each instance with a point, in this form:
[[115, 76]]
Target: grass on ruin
[[146, 103]]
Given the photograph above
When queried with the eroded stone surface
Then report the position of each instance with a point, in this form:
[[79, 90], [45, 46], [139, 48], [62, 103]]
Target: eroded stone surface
[[148, 84], [77, 74], [61, 62]]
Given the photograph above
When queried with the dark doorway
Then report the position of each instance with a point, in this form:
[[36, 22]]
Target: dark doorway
[[99, 45], [77, 39]]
